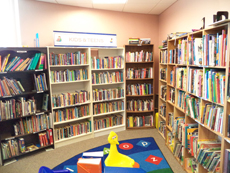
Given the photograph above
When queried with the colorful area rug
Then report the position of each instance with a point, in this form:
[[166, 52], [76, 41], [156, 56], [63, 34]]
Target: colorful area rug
[[143, 150]]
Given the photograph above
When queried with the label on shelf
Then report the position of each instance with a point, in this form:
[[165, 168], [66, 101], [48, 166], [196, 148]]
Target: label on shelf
[[40, 113], [39, 70], [21, 51], [10, 138], [40, 91], [6, 96], [3, 72]]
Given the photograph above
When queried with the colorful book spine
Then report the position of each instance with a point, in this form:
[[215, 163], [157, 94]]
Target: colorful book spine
[[107, 94], [139, 89], [140, 105], [107, 77], [139, 56], [138, 73], [108, 121], [140, 121], [107, 62], [106, 107]]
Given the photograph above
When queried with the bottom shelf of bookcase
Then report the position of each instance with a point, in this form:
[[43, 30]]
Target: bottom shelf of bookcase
[[107, 130], [73, 139], [144, 127], [161, 134], [9, 160]]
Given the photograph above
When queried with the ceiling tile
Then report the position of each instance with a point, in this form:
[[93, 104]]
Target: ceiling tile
[[51, 1], [114, 7], [138, 8], [142, 1], [79, 3], [159, 8], [167, 1], [74, 1]]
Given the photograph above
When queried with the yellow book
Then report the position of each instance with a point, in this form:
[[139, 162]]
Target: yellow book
[[22, 64], [209, 87], [130, 121], [7, 58], [28, 60]]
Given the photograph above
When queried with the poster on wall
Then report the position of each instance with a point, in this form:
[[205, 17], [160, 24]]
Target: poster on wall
[[84, 39]]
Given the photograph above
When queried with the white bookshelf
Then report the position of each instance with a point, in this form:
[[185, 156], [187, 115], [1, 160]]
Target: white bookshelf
[[101, 53], [72, 86]]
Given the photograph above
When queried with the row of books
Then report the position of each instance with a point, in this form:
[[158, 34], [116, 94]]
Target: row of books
[[208, 154], [172, 95], [68, 99], [195, 51], [46, 138], [140, 121], [162, 128], [140, 105], [107, 62], [214, 85], [178, 151], [17, 108], [15, 147], [108, 94], [215, 49], [71, 113], [9, 87], [195, 81], [77, 58], [108, 121], [139, 89], [170, 119], [139, 56], [105, 107], [162, 110], [172, 56], [164, 56], [40, 82], [163, 90], [72, 130], [177, 128], [19, 64], [163, 73], [181, 77], [33, 124], [181, 103], [173, 76], [142, 73], [107, 77], [68, 75]]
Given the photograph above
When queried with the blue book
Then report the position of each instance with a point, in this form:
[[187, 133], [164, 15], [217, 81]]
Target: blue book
[[30, 64]]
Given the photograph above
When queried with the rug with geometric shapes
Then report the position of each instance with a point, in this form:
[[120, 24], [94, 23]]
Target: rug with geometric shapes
[[144, 151]]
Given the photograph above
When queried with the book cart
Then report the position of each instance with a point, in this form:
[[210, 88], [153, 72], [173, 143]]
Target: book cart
[[183, 91], [26, 124], [139, 86]]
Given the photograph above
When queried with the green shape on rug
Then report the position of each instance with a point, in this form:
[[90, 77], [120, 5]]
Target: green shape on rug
[[166, 170], [106, 151]]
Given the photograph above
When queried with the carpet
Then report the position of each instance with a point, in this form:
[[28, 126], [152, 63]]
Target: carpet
[[144, 151]]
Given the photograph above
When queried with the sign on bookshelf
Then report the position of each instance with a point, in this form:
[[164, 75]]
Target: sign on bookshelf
[[84, 39]]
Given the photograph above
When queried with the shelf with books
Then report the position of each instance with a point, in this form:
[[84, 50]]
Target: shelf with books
[[108, 113], [107, 86], [71, 120], [145, 127], [164, 118], [170, 128], [73, 137], [71, 105], [24, 97], [201, 71], [139, 81]]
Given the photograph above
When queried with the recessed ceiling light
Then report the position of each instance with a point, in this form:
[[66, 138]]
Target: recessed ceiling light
[[109, 1]]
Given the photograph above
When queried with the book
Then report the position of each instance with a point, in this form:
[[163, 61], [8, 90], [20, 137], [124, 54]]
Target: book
[[45, 102], [87, 165]]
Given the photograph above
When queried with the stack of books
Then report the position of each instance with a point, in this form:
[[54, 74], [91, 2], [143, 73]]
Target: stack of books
[[108, 94], [76, 58], [71, 113], [69, 75], [9, 87], [100, 108], [67, 99], [107, 77], [107, 62], [140, 105]]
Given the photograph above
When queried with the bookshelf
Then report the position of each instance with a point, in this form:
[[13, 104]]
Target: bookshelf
[[139, 83], [188, 87], [26, 123], [108, 107], [70, 78]]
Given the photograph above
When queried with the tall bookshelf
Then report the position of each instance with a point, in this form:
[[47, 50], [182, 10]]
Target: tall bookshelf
[[23, 119], [75, 114], [108, 61], [139, 57], [182, 85], [162, 92]]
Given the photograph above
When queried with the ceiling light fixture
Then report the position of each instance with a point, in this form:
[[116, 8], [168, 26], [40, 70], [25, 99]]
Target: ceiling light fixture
[[109, 1]]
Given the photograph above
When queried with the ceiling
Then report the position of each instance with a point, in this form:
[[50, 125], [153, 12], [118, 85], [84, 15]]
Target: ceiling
[[132, 6]]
